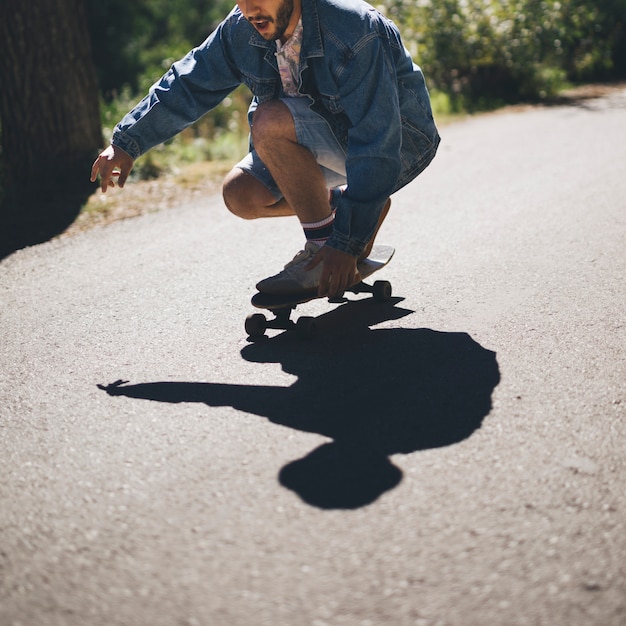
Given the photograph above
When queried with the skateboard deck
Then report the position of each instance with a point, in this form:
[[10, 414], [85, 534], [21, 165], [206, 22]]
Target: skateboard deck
[[282, 305]]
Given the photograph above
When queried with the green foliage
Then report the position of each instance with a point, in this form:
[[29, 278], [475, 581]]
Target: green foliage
[[134, 44], [221, 135], [135, 41], [476, 54], [483, 53]]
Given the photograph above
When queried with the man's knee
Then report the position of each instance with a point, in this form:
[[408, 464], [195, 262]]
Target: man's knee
[[235, 194], [243, 194], [272, 121]]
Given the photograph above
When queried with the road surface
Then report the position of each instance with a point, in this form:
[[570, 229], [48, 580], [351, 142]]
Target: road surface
[[455, 457]]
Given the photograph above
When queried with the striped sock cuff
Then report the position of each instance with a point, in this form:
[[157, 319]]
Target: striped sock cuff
[[319, 232]]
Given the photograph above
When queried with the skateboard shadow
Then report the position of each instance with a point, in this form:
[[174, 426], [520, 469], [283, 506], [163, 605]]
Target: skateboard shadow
[[373, 392]]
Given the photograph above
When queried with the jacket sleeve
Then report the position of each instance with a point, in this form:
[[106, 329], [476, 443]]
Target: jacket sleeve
[[192, 86], [369, 96]]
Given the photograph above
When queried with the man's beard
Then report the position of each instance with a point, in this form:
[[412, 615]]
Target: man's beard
[[285, 11], [263, 23]]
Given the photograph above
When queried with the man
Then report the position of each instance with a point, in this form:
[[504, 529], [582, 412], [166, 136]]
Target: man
[[340, 120]]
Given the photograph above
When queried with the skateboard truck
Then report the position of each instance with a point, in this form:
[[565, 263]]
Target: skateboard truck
[[306, 326], [257, 324]]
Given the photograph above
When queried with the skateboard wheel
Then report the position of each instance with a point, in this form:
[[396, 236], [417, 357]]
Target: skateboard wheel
[[306, 327], [256, 324], [382, 290]]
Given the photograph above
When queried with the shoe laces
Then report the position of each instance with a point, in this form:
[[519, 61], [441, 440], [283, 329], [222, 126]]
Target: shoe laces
[[310, 250]]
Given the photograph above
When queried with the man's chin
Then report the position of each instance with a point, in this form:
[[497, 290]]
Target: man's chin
[[269, 31]]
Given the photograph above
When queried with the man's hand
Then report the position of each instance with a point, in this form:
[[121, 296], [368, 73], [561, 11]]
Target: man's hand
[[338, 272], [112, 162]]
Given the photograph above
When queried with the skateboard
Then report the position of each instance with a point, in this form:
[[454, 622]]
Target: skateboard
[[282, 306]]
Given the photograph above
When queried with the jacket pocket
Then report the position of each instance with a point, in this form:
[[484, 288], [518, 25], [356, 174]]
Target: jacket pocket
[[263, 89]]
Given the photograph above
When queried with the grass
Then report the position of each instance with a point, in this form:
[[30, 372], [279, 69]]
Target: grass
[[187, 184]]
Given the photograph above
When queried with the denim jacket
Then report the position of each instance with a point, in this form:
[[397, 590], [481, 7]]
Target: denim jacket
[[357, 75]]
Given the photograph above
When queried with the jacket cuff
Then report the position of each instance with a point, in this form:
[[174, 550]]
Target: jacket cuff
[[126, 143], [353, 247]]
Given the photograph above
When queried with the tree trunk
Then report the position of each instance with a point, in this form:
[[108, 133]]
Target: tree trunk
[[49, 110]]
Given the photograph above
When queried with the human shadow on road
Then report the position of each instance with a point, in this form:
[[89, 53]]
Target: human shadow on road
[[373, 392]]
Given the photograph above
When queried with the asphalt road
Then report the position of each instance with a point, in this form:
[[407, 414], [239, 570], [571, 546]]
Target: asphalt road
[[455, 457]]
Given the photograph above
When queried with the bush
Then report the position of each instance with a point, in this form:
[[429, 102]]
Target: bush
[[131, 40], [476, 54], [485, 52], [221, 135]]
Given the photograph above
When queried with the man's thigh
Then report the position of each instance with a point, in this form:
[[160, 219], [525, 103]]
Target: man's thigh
[[312, 132]]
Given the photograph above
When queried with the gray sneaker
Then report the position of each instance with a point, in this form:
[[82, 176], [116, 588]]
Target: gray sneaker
[[294, 279]]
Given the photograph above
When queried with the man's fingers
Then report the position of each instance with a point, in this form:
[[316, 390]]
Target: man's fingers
[[102, 167], [108, 175], [111, 163], [105, 181], [322, 289], [338, 272], [332, 284], [336, 288], [94, 171]]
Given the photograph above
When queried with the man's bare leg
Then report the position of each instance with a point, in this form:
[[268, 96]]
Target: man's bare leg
[[293, 166], [248, 198], [300, 179]]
